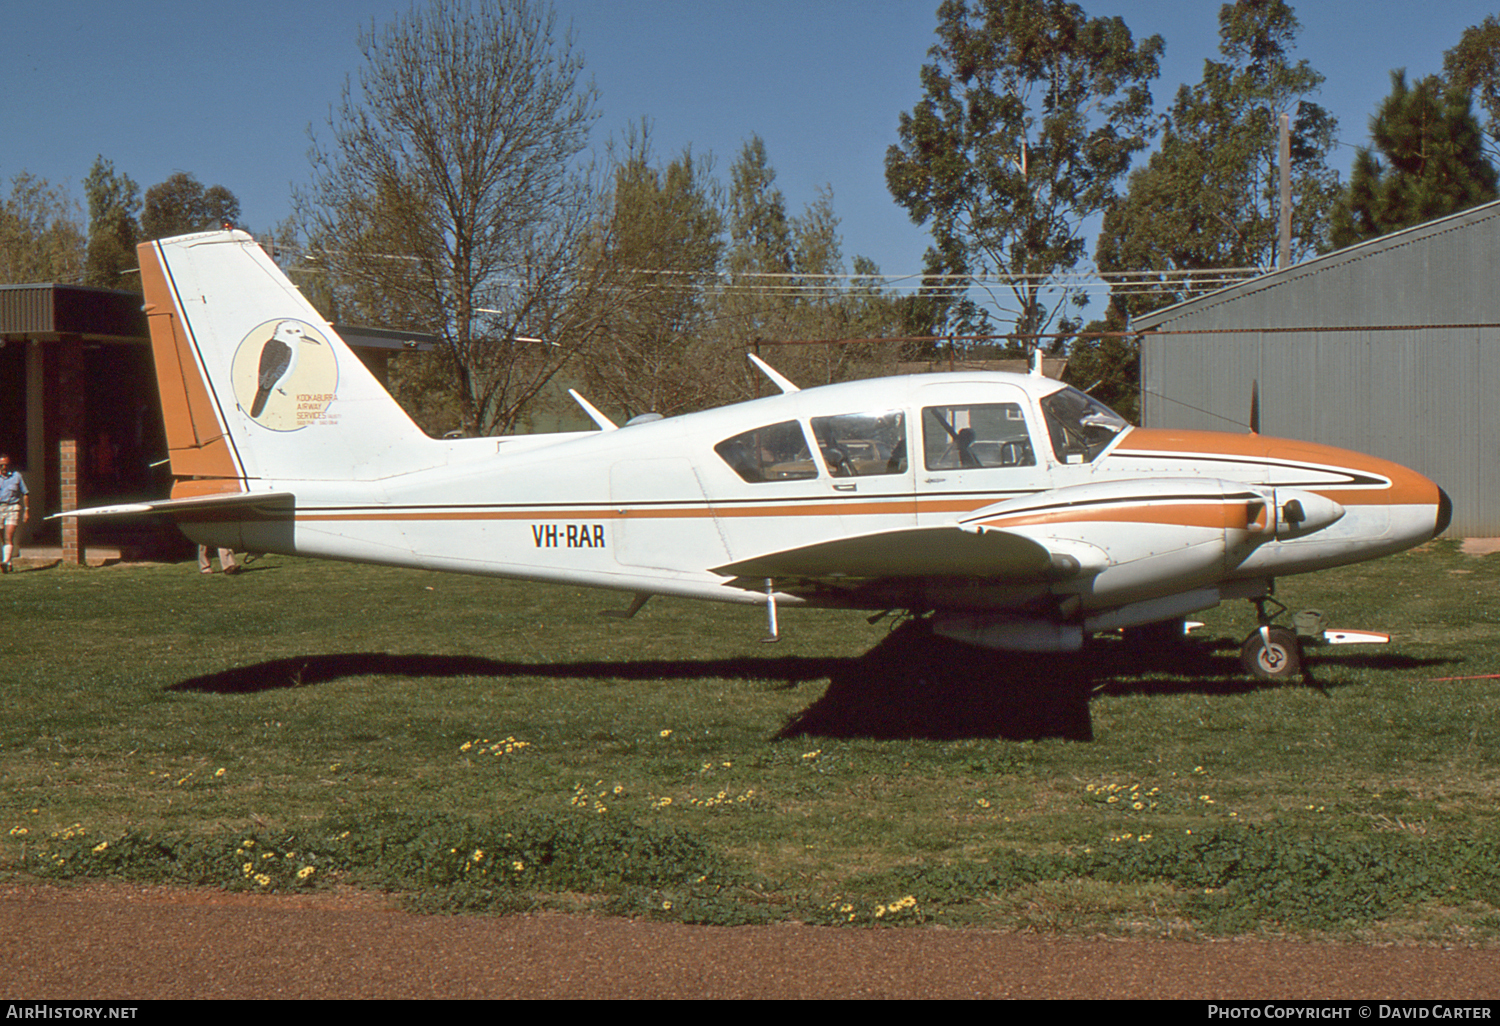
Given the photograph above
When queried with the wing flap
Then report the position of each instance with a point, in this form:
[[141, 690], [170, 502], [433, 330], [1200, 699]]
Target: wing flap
[[908, 552]]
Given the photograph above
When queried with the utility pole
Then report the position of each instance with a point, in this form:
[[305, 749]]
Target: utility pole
[[1285, 235]]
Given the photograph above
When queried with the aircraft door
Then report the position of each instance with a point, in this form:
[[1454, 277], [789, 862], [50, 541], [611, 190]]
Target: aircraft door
[[866, 457], [978, 447]]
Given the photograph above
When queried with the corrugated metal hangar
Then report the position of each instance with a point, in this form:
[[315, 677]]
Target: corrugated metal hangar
[[1391, 348]]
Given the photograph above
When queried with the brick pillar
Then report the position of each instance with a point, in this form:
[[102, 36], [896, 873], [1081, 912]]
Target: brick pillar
[[72, 389], [67, 467]]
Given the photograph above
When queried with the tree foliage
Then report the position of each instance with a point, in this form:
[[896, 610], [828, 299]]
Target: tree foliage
[[1031, 113], [446, 191], [780, 284], [114, 226], [181, 205], [1208, 198], [701, 272], [40, 238], [1473, 65], [1431, 163], [666, 244]]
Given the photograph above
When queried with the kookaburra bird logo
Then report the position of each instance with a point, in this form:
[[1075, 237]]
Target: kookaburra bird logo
[[278, 359]]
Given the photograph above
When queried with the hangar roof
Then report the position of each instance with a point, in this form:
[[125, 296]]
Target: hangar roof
[[1425, 277], [49, 310]]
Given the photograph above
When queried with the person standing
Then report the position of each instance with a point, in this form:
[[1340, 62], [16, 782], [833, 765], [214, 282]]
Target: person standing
[[15, 509], [226, 561]]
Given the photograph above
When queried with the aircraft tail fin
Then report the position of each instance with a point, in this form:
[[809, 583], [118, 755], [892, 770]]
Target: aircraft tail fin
[[255, 385]]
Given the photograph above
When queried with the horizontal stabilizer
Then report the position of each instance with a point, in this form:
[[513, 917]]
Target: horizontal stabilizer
[[244, 505], [910, 552]]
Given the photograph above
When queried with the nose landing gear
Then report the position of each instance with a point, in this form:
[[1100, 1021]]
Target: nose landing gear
[[1271, 652]]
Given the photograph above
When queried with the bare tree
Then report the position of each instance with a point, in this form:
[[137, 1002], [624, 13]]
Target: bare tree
[[449, 194]]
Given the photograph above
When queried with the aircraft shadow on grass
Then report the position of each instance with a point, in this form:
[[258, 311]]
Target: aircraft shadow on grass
[[911, 685]]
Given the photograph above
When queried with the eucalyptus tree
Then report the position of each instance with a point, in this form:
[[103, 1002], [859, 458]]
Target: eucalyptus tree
[[1474, 66], [1207, 199], [1030, 116]]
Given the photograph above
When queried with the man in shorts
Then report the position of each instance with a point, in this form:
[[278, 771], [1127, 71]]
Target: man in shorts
[[15, 509]]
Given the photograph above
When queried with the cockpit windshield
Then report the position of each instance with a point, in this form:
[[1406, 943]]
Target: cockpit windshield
[[1081, 427]]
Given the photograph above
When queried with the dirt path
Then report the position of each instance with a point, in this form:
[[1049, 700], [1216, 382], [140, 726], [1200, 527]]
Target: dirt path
[[112, 941]]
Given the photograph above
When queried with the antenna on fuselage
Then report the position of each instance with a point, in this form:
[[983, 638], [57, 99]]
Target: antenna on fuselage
[[777, 378], [1036, 362], [605, 424]]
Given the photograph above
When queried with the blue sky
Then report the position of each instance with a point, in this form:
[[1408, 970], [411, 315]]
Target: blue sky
[[227, 91]]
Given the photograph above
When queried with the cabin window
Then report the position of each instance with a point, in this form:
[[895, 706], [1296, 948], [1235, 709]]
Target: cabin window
[[862, 444], [777, 452], [1080, 426], [976, 436]]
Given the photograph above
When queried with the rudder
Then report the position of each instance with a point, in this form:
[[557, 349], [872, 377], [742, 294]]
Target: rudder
[[255, 385]]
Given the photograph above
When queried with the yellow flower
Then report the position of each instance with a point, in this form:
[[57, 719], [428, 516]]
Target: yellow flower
[[478, 855], [305, 872], [518, 866], [220, 771], [100, 847], [263, 879], [665, 733]]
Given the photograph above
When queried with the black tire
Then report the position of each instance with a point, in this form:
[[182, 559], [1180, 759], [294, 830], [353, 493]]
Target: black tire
[[1277, 657]]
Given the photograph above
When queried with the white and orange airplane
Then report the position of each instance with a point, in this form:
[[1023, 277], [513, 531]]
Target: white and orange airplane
[[1017, 511]]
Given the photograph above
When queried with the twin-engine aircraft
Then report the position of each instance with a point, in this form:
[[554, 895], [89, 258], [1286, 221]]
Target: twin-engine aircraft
[[1018, 512]]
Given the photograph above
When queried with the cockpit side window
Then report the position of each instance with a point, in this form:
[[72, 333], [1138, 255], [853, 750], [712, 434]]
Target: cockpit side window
[[1080, 426], [974, 436], [776, 452], [862, 444]]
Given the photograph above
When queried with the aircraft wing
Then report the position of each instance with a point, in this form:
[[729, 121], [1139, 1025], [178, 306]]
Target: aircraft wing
[[243, 505], [948, 551]]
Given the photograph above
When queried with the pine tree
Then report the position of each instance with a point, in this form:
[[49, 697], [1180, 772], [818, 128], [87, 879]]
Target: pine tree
[[1431, 163]]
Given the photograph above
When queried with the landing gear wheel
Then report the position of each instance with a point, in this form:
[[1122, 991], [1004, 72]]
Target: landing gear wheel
[[1274, 654]]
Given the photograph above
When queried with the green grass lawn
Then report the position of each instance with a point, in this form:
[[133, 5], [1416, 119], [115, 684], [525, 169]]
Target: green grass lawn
[[489, 745]]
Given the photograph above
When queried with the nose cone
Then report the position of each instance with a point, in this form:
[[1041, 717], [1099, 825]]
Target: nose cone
[[1444, 513]]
